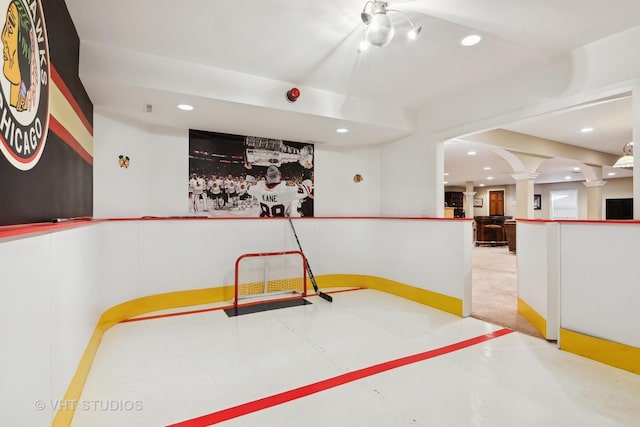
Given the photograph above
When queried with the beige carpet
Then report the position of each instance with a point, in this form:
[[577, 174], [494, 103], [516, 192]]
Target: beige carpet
[[494, 289]]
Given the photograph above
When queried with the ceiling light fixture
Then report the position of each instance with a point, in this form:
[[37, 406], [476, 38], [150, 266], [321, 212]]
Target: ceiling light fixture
[[586, 130], [626, 161], [471, 40], [185, 107], [342, 130], [380, 29], [471, 153]]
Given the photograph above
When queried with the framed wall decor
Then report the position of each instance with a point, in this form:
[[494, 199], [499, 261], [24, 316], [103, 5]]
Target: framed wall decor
[[537, 202], [477, 203]]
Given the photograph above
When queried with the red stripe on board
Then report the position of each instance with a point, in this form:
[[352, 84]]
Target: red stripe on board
[[40, 227], [57, 79], [64, 134], [203, 310], [297, 393]]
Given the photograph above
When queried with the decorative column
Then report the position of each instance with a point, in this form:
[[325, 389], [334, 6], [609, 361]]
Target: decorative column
[[524, 193], [468, 200], [594, 199]]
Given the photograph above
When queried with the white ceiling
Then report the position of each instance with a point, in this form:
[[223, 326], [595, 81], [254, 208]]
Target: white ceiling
[[235, 60]]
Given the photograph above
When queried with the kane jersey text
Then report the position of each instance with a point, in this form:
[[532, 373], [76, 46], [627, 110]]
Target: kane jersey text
[[276, 199]]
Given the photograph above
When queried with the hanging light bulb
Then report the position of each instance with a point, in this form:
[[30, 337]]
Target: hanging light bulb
[[380, 29]]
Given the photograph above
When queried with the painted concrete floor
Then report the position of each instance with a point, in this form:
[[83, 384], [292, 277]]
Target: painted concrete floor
[[367, 359]]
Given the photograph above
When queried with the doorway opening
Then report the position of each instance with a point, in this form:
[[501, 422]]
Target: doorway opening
[[494, 275], [496, 202], [494, 289]]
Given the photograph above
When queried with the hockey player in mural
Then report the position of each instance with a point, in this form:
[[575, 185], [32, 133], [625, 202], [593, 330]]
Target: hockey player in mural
[[276, 197], [258, 177]]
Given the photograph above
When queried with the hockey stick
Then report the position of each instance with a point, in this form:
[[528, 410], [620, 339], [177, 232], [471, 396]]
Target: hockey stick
[[309, 272]]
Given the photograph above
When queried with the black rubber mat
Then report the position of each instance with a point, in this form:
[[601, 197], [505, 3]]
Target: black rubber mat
[[264, 306]]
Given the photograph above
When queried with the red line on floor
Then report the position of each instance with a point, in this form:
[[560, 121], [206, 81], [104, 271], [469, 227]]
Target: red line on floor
[[297, 393], [204, 310]]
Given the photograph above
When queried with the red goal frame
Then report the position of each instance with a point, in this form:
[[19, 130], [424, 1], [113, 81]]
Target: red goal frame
[[236, 283]]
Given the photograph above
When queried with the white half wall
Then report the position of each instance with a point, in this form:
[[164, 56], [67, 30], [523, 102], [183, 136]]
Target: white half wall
[[583, 271], [600, 295]]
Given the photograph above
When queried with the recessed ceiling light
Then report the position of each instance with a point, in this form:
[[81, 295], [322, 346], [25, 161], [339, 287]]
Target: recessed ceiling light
[[471, 40], [567, 177], [481, 185], [446, 174], [487, 168], [185, 107], [611, 174], [446, 182], [471, 153], [586, 130], [342, 130], [576, 169], [489, 178]]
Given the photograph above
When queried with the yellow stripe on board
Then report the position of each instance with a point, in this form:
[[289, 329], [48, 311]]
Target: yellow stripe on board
[[64, 113], [140, 306], [432, 299], [608, 352], [536, 320]]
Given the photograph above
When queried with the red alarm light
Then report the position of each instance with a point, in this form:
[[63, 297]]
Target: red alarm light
[[293, 94]]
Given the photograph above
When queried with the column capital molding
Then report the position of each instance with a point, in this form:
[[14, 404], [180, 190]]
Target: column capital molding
[[523, 176], [594, 183], [469, 193]]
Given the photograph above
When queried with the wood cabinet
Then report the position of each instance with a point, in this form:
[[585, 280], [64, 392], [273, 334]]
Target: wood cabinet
[[455, 200]]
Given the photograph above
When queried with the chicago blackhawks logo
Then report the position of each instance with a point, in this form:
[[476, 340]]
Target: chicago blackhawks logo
[[24, 83]]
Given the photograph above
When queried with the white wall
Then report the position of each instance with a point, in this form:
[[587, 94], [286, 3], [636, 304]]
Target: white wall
[[155, 182], [412, 177], [335, 192]]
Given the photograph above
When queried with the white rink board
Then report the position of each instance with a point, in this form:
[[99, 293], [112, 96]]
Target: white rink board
[[51, 301], [600, 294], [537, 264]]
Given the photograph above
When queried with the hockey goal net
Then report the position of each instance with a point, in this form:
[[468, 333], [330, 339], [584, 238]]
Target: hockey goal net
[[266, 274]]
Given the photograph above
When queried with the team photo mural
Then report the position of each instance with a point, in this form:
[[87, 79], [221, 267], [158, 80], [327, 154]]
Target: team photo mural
[[248, 176]]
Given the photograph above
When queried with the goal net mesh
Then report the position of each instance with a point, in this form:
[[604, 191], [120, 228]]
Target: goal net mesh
[[270, 273]]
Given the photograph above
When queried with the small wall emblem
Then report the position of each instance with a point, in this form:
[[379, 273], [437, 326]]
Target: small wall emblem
[[123, 161]]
